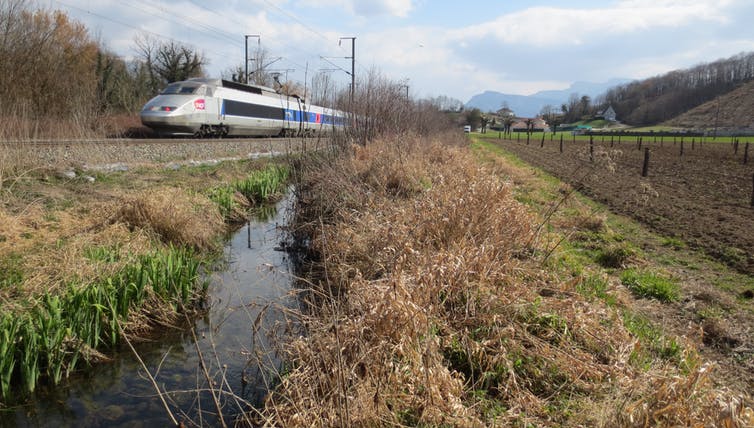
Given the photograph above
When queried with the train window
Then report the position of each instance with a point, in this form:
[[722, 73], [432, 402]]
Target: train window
[[178, 88], [189, 89]]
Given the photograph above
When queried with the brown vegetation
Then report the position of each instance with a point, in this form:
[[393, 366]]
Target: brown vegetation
[[727, 113], [174, 216], [57, 81], [52, 228], [428, 306]]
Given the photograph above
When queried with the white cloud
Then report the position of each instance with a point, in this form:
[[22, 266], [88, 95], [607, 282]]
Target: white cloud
[[549, 26], [367, 8]]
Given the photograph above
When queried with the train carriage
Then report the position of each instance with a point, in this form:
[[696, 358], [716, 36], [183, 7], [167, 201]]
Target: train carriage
[[214, 107]]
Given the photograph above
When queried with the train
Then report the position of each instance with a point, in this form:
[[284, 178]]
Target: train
[[205, 107]]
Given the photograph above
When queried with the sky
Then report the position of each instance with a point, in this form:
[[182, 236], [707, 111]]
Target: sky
[[456, 48]]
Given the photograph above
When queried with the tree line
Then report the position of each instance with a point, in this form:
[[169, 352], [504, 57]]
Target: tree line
[[54, 71], [660, 98]]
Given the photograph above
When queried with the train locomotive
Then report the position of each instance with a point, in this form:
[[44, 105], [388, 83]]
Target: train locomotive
[[203, 107]]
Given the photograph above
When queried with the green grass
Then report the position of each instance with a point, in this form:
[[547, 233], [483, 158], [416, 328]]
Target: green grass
[[673, 243], [11, 271], [594, 286], [655, 344], [554, 138], [650, 285], [615, 255]]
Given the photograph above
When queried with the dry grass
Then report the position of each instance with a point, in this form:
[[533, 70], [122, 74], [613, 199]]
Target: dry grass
[[174, 216], [426, 309]]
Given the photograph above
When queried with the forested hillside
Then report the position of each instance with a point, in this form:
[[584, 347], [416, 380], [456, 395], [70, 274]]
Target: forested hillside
[[661, 98], [732, 112]]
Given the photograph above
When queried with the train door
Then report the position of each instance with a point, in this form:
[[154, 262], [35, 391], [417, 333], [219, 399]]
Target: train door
[[300, 116], [304, 119], [211, 106]]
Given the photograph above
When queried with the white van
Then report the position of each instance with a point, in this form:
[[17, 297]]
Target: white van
[[467, 129]]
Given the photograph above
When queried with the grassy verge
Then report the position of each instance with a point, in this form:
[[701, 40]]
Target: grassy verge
[[566, 136], [441, 297], [85, 263]]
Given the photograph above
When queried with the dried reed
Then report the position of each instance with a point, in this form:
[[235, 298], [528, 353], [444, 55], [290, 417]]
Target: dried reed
[[426, 308]]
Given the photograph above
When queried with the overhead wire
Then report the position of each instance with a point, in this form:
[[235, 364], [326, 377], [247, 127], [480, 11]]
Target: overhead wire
[[140, 29], [217, 33], [214, 32]]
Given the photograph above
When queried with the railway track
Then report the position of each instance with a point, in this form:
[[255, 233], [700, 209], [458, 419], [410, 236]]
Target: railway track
[[157, 141], [138, 151]]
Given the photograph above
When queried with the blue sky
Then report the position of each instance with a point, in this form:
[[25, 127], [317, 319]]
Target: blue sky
[[454, 48]]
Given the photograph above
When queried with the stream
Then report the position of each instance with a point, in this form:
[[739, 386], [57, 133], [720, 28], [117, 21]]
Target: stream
[[247, 301]]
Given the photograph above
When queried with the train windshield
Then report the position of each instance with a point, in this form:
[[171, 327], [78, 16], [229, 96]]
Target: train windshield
[[181, 89]]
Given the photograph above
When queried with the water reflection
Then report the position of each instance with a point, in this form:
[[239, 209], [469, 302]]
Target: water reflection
[[235, 338]]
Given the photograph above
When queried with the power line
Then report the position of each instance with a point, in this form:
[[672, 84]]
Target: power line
[[217, 33], [125, 24], [168, 15]]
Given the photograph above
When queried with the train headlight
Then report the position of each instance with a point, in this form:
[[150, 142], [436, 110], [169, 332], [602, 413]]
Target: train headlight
[[163, 108]]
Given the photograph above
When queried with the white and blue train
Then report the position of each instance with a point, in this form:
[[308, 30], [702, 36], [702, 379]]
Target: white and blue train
[[218, 108]]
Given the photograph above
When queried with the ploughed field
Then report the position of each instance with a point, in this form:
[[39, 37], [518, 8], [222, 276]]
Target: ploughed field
[[702, 196]]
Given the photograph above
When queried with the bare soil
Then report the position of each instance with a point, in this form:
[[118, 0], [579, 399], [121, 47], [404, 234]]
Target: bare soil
[[702, 198]]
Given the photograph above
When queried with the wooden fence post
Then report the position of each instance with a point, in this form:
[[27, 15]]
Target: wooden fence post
[[561, 143], [528, 137], [591, 149], [681, 146], [542, 143], [746, 153], [645, 167]]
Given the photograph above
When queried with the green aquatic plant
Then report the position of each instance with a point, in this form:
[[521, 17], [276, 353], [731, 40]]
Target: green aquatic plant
[[49, 338]]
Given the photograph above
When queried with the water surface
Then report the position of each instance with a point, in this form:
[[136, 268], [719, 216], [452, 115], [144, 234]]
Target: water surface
[[247, 301]]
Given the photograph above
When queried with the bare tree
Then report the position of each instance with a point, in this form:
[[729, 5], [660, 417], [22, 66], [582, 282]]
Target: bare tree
[[168, 62], [550, 114], [323, 90], [381, 107]]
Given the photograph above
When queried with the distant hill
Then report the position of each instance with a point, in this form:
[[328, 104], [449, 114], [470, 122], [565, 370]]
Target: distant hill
[[730, 112], [531, 105], [661, 98]]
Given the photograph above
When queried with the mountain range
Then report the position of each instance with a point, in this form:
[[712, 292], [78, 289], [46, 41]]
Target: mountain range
[[531, 105]]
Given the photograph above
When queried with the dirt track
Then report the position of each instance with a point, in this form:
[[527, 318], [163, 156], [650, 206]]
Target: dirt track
[[703, 197]]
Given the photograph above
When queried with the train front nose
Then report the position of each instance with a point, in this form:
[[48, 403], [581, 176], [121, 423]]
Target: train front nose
[[169, 115]]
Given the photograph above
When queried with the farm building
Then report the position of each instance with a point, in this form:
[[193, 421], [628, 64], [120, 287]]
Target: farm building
[[608, 114], [522, 124]]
